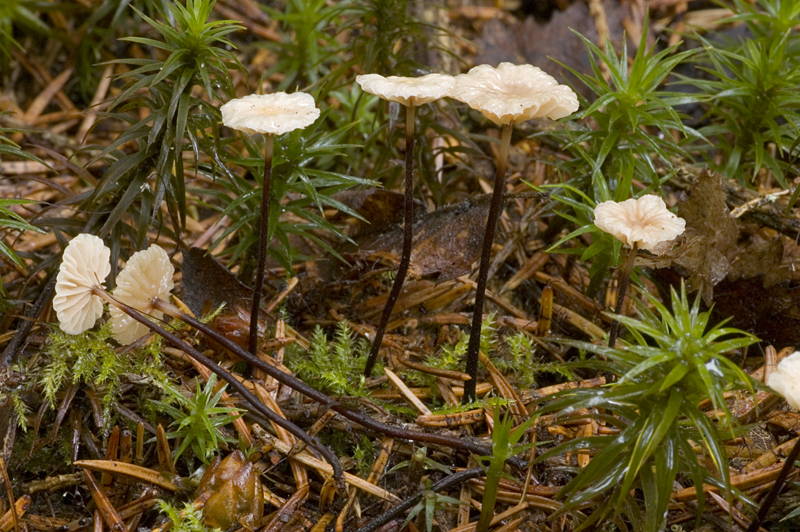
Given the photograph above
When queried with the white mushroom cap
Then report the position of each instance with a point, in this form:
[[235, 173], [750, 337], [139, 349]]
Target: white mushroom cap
[[511, 94], [148, 275], [408, 91], [786, 379], [645, 221], [86, 263], [272, 114]]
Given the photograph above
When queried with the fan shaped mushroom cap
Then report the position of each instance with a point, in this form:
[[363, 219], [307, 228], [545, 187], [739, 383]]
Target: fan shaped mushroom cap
[[272, 114], [405, 90], [148, 275], [786, 379], [511, 94], [86, 263], [645, 221]]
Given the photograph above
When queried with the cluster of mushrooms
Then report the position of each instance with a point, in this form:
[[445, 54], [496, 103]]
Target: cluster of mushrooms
[[507, 95]]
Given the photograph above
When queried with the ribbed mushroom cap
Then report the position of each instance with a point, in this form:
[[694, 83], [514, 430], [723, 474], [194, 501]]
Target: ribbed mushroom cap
[[272, 114], [148, 275], [645, 220], [86, 263], [511, 94], [405, 90], [786, 379]]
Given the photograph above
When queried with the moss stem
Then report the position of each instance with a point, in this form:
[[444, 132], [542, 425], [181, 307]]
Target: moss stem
[[483, 274], [408, 233]]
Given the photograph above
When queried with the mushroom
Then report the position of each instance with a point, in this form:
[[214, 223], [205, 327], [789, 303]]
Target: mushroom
[[79, 291], [409, 92], [85, 265], [786, 379], [639, 223], [783, 380], [644, 222], [506, 95], [146, 277], [270, 115]]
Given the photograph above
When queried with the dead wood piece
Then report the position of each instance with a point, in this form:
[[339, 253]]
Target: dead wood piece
[[742, 482], [451, 420], [129, 470], [104, 506], [9, 519]]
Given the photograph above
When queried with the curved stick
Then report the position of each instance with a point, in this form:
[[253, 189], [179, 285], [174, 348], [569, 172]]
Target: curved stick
[[257, 405], [314, 394]]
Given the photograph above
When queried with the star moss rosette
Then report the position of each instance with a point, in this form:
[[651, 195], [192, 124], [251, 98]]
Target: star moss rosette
[[146, 277], [85, 265]]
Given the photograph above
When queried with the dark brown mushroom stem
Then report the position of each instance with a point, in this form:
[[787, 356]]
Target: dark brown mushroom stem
[[315, 395], [483, 274], [408, 233], [776, 488], [624, 281], [263, 242], [254, 402]]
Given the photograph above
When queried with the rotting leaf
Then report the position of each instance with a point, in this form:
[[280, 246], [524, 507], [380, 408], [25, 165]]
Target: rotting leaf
[[381, 208], [446, 241], [206, 279], [772, 314], [762, 258], [709, 247]]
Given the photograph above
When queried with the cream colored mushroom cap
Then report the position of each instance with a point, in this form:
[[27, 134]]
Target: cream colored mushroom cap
[[271, 114], [148, 275], [86, 263], [511, 94], [786, 379], [645, 221], [405, 90]]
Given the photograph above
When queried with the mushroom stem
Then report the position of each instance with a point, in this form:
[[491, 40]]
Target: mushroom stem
[[483, 274], [624, 281], [254, 402], [263, 241], [408, 233]]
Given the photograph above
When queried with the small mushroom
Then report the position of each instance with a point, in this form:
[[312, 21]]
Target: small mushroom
[[644, 222], [146, 277], [409, 92], [270, 115], [85, 265], [786, 379], [506, 95]]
